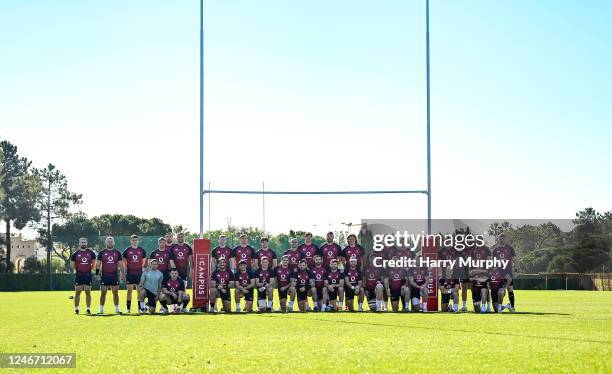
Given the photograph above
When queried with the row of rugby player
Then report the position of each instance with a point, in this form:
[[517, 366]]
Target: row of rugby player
[[304, 270]]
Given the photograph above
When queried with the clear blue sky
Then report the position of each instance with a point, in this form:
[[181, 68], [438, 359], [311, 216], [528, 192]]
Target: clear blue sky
[[315, 95]]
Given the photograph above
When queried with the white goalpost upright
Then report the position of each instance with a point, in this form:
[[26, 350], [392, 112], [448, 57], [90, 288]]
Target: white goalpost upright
[[203, 192]]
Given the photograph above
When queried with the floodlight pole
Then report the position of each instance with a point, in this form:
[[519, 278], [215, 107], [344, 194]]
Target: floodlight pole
[[201, 119], [428, 119]]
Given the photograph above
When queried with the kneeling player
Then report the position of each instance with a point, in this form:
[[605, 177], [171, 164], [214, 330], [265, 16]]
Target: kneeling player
[[150, 285], [173, 292], [220, 283], [374, 288], [244, 281], [318, 273], [497, 283], [418, 289], [395, 284], [303, 281], [480, 291], [263, 281], [353, 285], [334, 287], [282, 282], [449, 289]]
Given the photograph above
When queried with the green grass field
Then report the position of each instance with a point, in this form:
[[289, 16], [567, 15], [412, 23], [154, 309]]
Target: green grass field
[[552, 331]]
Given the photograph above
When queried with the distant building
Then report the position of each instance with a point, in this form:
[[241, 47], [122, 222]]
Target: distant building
[[22, 248]]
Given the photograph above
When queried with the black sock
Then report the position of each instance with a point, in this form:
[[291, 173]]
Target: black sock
[[185, 303], [128, 304], [164, 304], [511, 297]]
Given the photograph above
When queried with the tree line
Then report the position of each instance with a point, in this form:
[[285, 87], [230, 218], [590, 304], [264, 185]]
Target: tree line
[[41, 199]]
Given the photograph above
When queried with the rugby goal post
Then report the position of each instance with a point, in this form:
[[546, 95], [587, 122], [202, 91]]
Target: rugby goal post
[[202, 191]]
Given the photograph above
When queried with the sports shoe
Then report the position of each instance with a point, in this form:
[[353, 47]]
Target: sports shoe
[[511, 309], [76, 311], [88, 312], [268, 309], [464, 309], [315, 309]]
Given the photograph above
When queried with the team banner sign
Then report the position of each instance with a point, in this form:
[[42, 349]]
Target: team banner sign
[[201, 273]]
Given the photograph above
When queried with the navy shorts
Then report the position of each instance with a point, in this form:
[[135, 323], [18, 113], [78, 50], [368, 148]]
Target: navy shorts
[[302, 295], [445, 297], [395, 293], [109, 280], [151, 298], [494, 292], [224, 296], [319, 292], [415, 292], [183, 273], [132, 278], [248, 296], [476, 297], [282, 294], [82, 279], [262, 295], [349, 293], [332, 295]]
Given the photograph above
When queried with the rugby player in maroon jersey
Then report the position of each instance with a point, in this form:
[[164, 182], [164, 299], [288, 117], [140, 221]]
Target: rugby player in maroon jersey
[[293, 254], [497, 281], [330, 250], [334, 287], [82, 261], [222, 250], [110, 265], [169, 241], [480, 290], [353, 249], [374, 284], [417, 280], [221, 281], [163, 257], [462, 274], [264, 283], [403, 253], [134, 260], [244, 282], [182, 256], [481, 253], [264, 251], [242, 251], [318, 273], [395, 284], [173, 292], [449, 289], [303, 281], [504, 251], [308, 250], [353, 285], [282, 282]]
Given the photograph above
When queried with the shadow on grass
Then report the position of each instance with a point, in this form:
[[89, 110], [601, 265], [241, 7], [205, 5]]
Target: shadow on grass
[[435, 328]]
